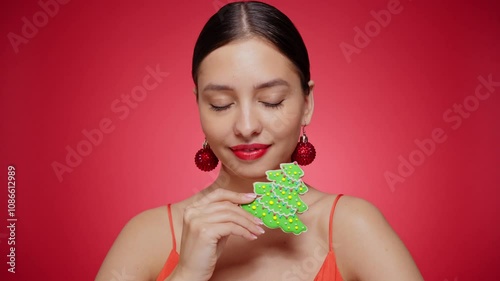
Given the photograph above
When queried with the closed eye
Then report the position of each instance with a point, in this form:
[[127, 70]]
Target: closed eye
[[219, 108], [273, 105]]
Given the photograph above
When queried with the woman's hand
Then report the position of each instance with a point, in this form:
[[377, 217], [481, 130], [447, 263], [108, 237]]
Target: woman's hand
[[207, 225]]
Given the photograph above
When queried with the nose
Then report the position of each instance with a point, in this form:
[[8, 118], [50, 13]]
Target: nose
[[247, 123]]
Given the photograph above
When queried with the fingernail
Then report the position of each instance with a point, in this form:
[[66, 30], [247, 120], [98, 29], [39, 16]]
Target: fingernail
[[253, 237], [258, 221], [250, 195], [261, 230]]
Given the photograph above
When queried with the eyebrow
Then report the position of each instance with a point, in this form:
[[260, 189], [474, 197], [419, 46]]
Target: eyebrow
[[268, 84], [272, 83]]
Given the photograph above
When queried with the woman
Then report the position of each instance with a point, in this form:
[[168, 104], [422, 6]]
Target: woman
[[254, 93]]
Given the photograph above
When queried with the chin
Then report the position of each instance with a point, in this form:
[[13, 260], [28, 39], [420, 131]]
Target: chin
[[247, 171], [254, 170]]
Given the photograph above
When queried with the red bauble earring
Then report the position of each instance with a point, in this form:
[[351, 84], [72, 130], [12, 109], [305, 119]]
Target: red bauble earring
[[304, 153], [205, 158]]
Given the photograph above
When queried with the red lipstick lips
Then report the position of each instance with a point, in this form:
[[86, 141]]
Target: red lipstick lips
[[250, 151]]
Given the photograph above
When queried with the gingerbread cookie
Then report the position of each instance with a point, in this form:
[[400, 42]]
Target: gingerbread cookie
[[278, 202]]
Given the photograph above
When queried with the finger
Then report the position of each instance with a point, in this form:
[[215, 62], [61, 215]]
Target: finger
[[233, 216], [192, 212], [222, 230], [221, 194], [228, 206]]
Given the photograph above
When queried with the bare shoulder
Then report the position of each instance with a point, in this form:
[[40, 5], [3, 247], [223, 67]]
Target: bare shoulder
[[357, 212], [141, 247], [357, 219], [366, 246]]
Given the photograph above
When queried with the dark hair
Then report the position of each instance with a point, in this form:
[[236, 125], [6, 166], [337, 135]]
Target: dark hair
[[246, 19]]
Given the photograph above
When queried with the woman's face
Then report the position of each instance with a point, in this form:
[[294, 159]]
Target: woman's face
[[251, 106]]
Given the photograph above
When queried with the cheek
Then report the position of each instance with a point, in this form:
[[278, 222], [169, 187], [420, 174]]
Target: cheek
[[214, 127], [286, 122]]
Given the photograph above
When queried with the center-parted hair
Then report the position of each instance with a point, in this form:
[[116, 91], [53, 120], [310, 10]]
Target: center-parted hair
[[239, 20]]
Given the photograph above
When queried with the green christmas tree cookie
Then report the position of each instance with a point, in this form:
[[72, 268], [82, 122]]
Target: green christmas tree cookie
[[278, 202]]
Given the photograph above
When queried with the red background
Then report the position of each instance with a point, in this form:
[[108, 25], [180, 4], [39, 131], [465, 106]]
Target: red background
[[368, 112]]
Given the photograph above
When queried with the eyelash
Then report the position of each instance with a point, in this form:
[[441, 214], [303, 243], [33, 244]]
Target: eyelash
[[273, 105], [219, 108], [270, 105]]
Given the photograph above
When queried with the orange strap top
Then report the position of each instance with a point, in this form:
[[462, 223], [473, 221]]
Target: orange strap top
[[327, 272]]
